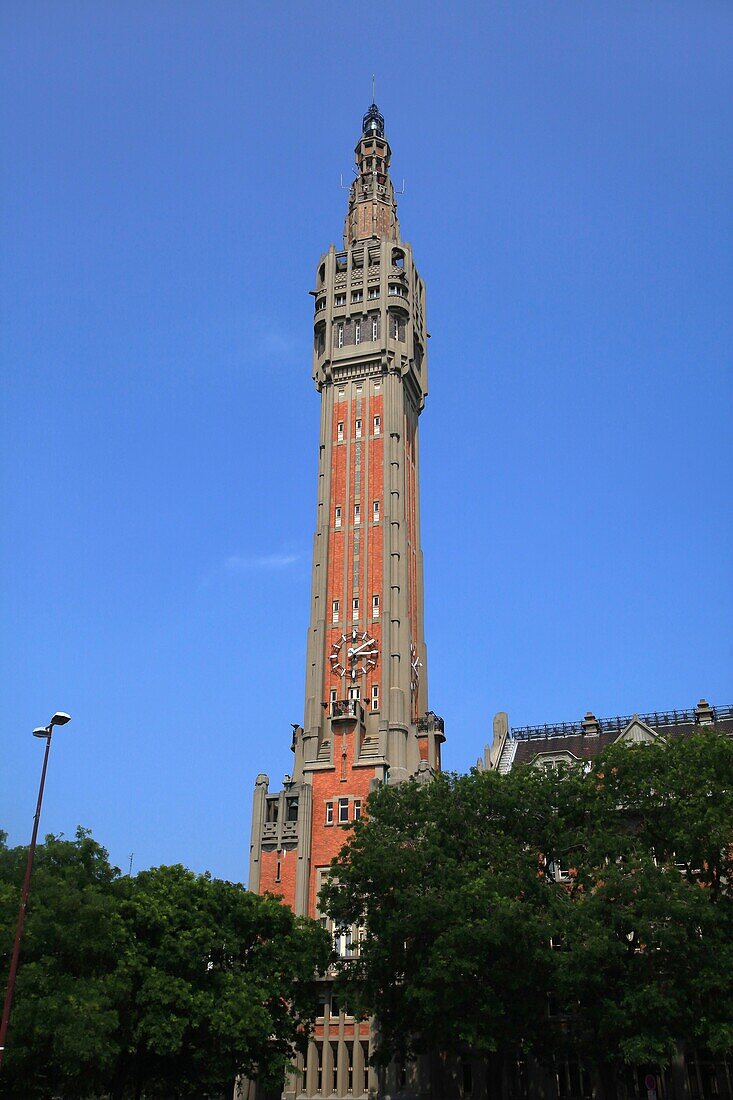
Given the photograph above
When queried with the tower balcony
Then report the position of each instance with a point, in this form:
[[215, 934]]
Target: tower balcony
[[347, 710]]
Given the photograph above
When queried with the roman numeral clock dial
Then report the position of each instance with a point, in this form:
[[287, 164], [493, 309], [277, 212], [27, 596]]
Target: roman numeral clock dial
[[354, 654]]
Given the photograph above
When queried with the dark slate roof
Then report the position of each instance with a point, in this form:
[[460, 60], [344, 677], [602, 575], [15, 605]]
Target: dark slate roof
[[570, 737]]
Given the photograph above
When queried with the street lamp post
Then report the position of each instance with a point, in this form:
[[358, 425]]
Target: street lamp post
[[59, 719]]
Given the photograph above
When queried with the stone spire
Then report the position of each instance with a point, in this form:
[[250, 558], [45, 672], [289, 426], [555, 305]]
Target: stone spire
[[372, 209]]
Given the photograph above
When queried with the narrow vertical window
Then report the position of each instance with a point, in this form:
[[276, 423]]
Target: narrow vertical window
[[358, 428], [355, 608], [375, 605], [375, 511], [277, 872], [340, 335], [357, 332], [334, 1067], [357, 809], [395, 330], [335, 606], [343, 811], [357, 513], [377, 425], [375, 328], [349, 1067], [337, 516], [375, 696], [332, 695], [329, 813]]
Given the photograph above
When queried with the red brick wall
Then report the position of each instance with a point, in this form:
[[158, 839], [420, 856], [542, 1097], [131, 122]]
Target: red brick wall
[[268, 874]]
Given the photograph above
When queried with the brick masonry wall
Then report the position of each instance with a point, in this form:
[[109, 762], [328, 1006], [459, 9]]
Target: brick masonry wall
[[288, 858]]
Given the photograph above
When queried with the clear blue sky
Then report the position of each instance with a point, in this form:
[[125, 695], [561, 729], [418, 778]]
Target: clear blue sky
[[170, 178]]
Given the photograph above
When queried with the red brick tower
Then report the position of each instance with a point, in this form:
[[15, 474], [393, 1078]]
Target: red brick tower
[[366, 719]]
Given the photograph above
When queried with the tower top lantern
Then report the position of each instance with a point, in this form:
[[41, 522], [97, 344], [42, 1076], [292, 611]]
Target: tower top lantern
[[373, 122]]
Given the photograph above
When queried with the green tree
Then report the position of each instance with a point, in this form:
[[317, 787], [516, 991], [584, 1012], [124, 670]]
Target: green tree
[[65, 1011], [457, 916], [456, 885], [169, 983], [648, 928], [220, 983]]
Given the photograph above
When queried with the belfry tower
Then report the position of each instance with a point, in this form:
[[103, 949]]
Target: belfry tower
[[365, 718]]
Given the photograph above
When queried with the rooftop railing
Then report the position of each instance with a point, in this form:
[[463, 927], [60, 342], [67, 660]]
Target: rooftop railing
[[656, 719]]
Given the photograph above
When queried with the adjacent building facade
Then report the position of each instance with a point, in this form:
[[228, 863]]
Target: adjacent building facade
[[366, 717]]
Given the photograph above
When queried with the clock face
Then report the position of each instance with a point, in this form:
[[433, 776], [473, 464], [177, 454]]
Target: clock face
[[415, 666], [354, 654]]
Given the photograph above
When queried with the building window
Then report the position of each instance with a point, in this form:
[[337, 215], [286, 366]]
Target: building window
[[277, 872], [272, 810], [375, 328], [357, 296], [335, 607], [355, 608], [357, 809], [357, 332], [357, 513], [373, 291], [340, 432], [375, 511], [358, 428], [342, 395], [329, 813], [375, 605], [377, 425], [339, 300], [395, 328], [375, 696], [337, 516], [343, 811], [340, 336]]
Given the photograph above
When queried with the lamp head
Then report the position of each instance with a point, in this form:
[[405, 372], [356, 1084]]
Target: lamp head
[[41, 731], [60, 719]]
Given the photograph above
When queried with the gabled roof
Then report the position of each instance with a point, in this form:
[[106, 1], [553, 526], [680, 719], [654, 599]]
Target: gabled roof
[[638, 733]]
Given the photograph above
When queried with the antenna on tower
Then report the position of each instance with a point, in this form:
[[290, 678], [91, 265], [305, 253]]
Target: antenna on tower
[[373, 99], [402, 191], [130, 868]]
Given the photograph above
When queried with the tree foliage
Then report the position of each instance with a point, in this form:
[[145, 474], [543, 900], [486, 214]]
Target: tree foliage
[[168, 983], [457, 886]]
